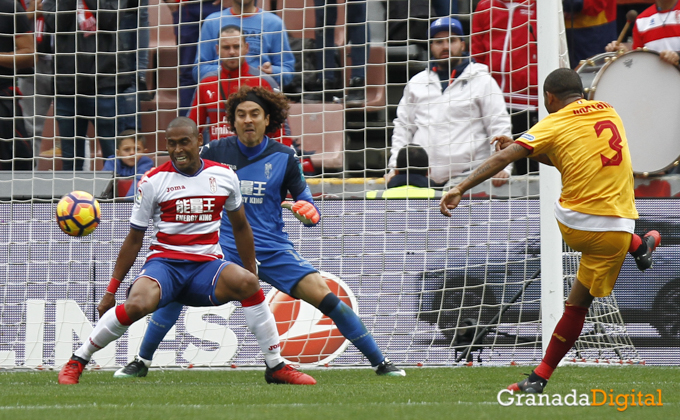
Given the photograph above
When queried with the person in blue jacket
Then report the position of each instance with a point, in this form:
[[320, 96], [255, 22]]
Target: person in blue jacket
[[268, 171], [268, 46]]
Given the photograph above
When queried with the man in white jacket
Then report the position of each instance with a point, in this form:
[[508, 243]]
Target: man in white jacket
[[452, 109]]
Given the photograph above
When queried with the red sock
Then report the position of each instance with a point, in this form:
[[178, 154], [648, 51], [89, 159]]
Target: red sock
[[122, 315], [635, 243], [566, 332], [255, 299]]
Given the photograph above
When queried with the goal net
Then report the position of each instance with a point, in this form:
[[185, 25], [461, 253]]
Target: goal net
[[433, 291]]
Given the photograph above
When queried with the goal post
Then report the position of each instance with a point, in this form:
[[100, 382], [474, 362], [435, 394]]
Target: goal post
[[552, 284]]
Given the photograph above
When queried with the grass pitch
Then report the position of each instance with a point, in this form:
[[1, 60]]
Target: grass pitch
[[425, 393]]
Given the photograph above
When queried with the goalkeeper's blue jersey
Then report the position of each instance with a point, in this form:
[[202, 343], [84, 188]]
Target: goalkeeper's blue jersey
[[266, 178]]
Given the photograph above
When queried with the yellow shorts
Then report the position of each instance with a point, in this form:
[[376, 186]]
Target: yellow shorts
[[602, 255]]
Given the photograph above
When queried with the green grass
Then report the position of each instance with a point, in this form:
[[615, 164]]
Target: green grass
[[425, 393]]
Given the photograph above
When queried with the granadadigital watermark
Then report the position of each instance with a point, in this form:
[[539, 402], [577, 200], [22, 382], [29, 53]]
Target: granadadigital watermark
[[596, 398]]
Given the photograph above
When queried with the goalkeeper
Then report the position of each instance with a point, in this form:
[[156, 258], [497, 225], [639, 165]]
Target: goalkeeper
[[268, 170]]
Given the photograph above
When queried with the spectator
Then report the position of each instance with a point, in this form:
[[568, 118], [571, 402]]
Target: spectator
[[128, 160], [504, 38], [452, 109], [269, 50], [187, 17], [590, 25], [134, 44], [215, 89], [143, 50], [37, 91], [16, 53], [657, 29], [410, 179], [444, 8], [359, 35], [89, 73], [408, 22]]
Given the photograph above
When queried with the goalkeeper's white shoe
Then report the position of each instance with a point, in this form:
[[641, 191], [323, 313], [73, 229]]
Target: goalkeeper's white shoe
[[387, 368], [138, 368]]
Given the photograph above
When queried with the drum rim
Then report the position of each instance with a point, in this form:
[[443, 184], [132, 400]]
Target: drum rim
[[599, 74]]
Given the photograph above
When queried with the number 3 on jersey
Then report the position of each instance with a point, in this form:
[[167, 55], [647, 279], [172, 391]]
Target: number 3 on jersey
[[614, 142]]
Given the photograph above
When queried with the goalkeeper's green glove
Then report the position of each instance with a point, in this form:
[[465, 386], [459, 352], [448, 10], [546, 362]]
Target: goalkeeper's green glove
[[303, 210]]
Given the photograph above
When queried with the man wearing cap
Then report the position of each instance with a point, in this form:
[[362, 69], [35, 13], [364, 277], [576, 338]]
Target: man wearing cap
[[453, 109]]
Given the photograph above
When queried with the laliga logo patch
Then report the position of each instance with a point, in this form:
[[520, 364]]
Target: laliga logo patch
[[307, 335]]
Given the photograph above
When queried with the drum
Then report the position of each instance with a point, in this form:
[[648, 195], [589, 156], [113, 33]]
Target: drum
[[589, 69], [645, 92]]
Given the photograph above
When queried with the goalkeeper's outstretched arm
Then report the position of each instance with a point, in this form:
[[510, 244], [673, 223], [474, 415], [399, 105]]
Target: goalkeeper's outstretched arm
[[304, 211], [303, 206]]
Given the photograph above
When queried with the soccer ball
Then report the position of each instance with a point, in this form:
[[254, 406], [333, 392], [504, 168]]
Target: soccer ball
[[78, 213]]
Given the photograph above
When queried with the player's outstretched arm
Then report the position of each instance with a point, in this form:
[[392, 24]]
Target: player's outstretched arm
[[486, 170], [126, 258], [243, 235], [502, 142]]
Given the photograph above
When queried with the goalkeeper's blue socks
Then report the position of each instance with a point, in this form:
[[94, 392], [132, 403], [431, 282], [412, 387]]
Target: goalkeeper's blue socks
[[351, 327], [159, 325]]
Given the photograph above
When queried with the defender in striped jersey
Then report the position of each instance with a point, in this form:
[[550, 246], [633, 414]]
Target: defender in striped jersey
[[185, 199]]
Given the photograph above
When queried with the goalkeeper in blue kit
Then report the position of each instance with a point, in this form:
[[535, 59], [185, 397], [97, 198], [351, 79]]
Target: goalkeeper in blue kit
[[268, 170]]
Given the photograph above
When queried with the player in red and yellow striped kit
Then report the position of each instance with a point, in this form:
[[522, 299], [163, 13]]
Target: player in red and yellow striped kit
[[586, 142]]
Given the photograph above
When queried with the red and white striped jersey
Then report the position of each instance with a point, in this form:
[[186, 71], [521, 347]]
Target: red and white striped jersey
[[658, 31], [186, 210]]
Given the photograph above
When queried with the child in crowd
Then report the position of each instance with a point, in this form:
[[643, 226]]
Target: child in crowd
[[128, 160]]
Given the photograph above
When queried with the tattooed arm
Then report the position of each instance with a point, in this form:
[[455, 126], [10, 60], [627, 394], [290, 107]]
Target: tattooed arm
[[486, 170], [503, 142]]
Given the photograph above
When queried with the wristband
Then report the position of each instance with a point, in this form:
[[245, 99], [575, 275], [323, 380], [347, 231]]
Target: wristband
[[113, 285]]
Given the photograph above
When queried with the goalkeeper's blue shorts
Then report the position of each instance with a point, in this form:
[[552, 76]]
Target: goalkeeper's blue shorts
[[187, 282], [282, 268]]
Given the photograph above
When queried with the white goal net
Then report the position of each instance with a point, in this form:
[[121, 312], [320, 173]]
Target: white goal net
[[433, 291]]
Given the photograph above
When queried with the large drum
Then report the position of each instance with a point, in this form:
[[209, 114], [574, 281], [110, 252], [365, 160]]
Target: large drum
[[645, 92]]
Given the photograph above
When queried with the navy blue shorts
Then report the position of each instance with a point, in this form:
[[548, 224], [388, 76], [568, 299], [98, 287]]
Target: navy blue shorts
[[187, 282], [282, 268]]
